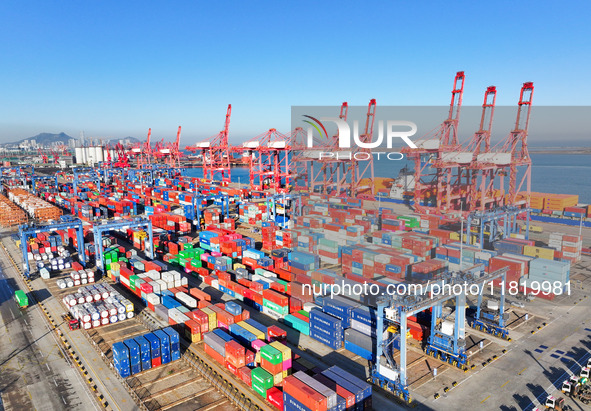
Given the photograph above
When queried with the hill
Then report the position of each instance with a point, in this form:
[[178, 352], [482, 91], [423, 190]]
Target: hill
[[48, 138]]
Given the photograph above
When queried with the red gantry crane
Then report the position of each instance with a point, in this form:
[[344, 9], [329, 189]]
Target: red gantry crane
[[512, 153], [215, 153], [319, 174], [269, 160], [170, 151], [438, 147]]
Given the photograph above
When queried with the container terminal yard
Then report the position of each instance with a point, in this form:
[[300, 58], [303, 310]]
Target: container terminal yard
[[128, 285]]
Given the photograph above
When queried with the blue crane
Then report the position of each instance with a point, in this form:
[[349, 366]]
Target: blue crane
[[490, 321], [85, 174], [393, 312], [499, 222], [27, 231], [39, 178], [104, 226]]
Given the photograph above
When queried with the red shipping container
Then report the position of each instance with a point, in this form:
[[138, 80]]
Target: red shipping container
[[244, 374], [193, 326], [295, 304], [156, 362], [304, 394], [245, 315], [276, 333], [271, 368], [249, 357], [275, 297], [275, 397], [213, 354], [232, 368], [200, 294], [235, 354]]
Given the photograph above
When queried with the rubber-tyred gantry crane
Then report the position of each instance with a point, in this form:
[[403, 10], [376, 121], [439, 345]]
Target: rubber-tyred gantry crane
[[215, 153]]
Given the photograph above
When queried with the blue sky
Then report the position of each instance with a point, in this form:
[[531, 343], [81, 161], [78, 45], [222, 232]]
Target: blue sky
[[116, 68]]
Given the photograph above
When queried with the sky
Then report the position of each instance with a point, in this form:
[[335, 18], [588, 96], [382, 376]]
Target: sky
[[116, 68]]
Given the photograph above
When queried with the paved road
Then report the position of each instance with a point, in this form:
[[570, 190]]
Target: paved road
[[107, 383], [33, 371], [534, 366]]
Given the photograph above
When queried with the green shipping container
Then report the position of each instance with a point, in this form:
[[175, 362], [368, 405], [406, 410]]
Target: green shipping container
[[262, 378], [297, 324], [259, 389], [132, 280], [304, 313], [21, 298], [277, 308], [271, 354], [283, 283]]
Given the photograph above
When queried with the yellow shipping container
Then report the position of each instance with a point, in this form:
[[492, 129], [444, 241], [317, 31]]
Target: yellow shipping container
[[238, 265], [285, 351], [211, 317], [257, 333], [539, 252], [454, 236], [278, 378]]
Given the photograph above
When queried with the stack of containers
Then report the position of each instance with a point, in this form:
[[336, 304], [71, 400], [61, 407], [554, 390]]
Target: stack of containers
[[251, 213], [547, 278], [302, 263], [272, 362], [146, 351], [121, 359], [326, 329], [569, 245], [261, 381], [135, 363]]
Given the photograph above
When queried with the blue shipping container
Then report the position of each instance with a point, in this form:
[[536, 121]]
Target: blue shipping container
[[154, 344], [164, 345], [175, 347]]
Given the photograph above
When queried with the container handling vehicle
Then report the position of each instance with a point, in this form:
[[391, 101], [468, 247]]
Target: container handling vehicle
[[21, 299], [491, 319], [557, 404], [73, 324]]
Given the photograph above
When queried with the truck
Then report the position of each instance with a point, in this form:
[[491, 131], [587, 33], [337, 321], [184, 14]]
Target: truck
[[21, 299]]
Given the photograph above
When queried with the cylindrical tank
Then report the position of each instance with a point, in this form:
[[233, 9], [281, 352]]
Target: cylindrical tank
[[99, 154], [90, 158], [78, 155]]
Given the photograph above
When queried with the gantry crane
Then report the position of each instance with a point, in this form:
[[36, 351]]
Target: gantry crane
[[510, 153], [432, 179], [270, 165], [516, 145], [327, 174], [104, 226], [27, 231], [215, 153]]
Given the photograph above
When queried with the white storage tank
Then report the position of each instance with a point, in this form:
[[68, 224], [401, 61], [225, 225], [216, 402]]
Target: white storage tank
[[78, 155]]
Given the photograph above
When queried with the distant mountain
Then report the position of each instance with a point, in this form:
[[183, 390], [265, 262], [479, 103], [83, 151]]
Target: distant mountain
[[48, 138]]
